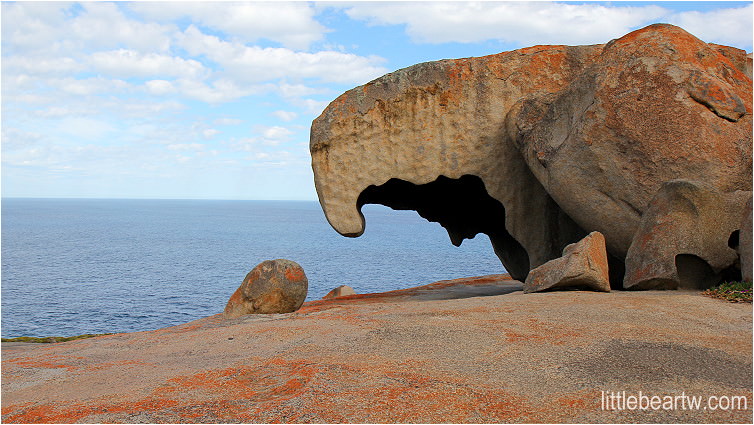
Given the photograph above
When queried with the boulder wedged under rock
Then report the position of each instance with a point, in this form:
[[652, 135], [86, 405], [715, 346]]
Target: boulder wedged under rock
[[273, 286], [583, 265], [340, 291], [687, 238]]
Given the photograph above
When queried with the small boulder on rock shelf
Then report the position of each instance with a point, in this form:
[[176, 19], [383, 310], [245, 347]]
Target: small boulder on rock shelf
[[340, 291], [583, 266], [273, 286]]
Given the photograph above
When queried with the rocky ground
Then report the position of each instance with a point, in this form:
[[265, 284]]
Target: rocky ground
[[469, 350]]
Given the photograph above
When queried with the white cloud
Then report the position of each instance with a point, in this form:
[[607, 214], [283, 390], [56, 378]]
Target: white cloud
[[527, 23], [276, 133], [88, 86], [291, 24], [14, 139], [61, 27], [311, 106], [732, 26], [40, 65], [217, 91], [64, 111], [159, 87], [254, 64], [126, 63], [210, 133], [285, 115], [228, 121], [31, 25], [186, 147], [265, 136], [104, 25], [272, 159], [298, 90], [84, 128]]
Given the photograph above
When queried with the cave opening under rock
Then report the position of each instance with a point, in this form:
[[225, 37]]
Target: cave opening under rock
[[462, 206]]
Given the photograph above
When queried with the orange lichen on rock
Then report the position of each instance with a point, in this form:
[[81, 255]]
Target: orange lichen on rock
[[402, 358]]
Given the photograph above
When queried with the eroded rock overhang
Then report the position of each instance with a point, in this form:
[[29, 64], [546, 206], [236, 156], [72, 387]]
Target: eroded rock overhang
[[445, 119]]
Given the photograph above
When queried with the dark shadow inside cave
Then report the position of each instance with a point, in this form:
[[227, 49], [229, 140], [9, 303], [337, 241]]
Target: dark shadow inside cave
[[462, 206], [695, 273]]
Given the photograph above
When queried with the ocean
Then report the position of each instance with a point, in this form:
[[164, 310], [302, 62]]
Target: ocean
[[75, 266]]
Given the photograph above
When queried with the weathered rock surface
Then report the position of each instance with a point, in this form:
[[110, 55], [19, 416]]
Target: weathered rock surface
[[745, 243], [540, 146], [583, 266], [340, 291], [658, 105], [391, 140], [273, 286], [688, 236], [403, 357]]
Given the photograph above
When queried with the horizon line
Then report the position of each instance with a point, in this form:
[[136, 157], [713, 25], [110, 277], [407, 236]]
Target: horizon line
[[152, 199]]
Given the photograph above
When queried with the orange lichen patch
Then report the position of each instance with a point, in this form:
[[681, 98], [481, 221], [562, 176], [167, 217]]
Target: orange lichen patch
[[506, 407], [294, 274], [274, 379], [44, 362], [587, 400], [8, 409], [514, 337], [71, 413], [222, 394], [459, 74], [411, 397], [236, 298]]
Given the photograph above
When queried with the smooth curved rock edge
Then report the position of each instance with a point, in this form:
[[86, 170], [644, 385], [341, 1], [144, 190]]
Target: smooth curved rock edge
[[340, 291], [568, 140]]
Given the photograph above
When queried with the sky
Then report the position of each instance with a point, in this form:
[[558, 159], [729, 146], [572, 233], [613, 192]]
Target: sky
[[214, 100]]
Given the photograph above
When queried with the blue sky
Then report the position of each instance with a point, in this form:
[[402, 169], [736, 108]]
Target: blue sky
[[211, 100]]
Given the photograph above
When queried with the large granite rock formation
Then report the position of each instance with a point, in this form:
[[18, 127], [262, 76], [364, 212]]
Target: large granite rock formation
[[540, 146], [273, 286]]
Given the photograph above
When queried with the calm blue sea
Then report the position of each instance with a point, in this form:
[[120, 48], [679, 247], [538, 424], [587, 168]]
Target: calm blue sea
[[74, 266]]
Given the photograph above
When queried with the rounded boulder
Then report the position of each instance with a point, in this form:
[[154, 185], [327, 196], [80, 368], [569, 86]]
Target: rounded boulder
[[273, 286]]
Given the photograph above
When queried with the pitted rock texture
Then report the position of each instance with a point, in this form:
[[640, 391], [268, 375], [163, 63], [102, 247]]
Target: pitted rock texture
[[446, 119], [273, 286], [540, 146], [582, 266], [340, 291], [688, 237]]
